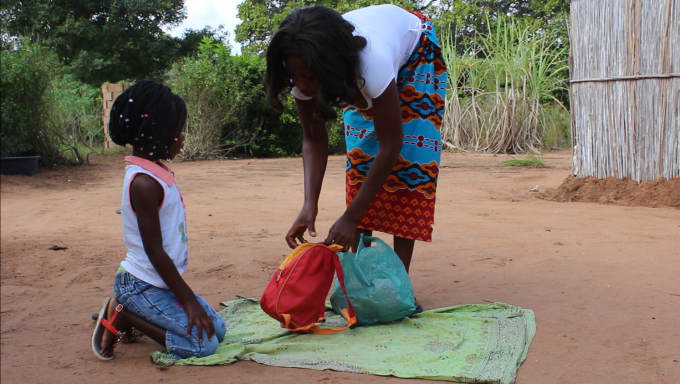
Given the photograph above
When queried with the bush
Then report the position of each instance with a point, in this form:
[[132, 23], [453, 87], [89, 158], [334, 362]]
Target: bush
[[209, 86], [255, 129], [228, 112], [74, 117], [24, 83], [258, 131], [505, 98], [45, 111]]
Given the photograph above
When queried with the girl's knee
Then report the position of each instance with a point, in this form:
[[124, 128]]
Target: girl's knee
[[208, 347], [220, 328], [189, 346]]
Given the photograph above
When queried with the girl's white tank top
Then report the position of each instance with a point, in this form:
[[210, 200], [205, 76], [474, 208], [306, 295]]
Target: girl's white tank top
[[173, 228]]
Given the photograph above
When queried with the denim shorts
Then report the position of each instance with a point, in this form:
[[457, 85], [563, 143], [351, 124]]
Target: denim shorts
[[162, 308]]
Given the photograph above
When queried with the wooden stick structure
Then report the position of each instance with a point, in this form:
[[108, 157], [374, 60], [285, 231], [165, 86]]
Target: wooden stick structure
[[625, 92]]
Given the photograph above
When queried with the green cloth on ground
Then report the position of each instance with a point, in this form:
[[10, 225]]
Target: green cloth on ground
[[466, 343]]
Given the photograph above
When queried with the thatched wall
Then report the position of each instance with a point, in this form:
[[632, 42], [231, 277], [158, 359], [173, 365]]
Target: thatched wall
[[625, 88]]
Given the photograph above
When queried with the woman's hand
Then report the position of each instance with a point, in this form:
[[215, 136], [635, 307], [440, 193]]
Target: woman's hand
[[342, 232], [198, 316], [305, 220]]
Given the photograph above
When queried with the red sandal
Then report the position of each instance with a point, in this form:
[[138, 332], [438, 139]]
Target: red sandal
[[102, 325]]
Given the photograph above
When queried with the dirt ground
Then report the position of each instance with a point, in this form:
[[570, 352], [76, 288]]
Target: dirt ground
[[602, 279], [659, 193]]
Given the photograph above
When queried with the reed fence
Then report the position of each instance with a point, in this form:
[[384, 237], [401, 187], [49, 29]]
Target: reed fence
[[625, 88]]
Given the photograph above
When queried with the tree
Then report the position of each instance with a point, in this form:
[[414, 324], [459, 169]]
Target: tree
[[193, 38], [261, 18], [100, 40], [461, 18]]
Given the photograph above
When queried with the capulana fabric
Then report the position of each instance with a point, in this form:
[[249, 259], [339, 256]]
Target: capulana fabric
[[405, 206], [472, 343]]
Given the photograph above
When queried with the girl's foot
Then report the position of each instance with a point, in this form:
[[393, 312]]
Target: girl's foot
[[109, 339], [104, 340], [130, 336]]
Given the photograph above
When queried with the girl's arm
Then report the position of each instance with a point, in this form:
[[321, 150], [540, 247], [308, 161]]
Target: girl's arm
[[146, 196], [314, 159], [387, 121]]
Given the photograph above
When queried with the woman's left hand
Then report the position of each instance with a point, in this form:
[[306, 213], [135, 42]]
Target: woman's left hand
[[342, 233]]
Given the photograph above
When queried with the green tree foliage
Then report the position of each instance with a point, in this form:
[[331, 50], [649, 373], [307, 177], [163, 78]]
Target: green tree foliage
[[100, 40], [462, 18], [228, 112], [45, 111], [465, 19], [211, 89], [261, 18], [25, 81], [192, 38]]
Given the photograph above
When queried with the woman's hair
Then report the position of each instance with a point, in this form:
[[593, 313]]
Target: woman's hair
[[149, 117], [324, 40]]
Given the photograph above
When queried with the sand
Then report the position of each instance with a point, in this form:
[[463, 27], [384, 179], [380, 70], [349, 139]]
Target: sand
[[602, 279], [657, 193]]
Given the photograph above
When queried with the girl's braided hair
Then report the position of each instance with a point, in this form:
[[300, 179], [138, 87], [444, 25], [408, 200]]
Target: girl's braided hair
[[149, 117], [324, 40]]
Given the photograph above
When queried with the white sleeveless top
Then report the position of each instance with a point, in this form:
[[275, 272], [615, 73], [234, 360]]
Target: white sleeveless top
[[391, 36], [172, 218]]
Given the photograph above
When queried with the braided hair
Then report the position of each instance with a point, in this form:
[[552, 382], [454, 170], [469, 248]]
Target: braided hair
[[149, 117]]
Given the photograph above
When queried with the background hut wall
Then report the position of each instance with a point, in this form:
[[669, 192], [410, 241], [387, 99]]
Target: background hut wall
[[625, 88], [109, 94]]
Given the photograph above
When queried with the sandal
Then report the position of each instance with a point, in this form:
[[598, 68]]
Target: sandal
[[102, 325], [130, 336]]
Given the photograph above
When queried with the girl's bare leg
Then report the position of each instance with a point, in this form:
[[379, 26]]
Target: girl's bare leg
[[127, 320]]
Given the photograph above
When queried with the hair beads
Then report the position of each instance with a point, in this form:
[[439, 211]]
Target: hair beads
[[131, 123]]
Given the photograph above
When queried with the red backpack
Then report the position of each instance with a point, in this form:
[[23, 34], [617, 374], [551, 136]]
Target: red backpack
[[296, 294]]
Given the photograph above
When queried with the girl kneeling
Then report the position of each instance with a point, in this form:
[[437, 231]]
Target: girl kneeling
[[150, 294]]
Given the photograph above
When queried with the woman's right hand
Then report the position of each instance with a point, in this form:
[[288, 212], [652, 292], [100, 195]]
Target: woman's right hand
[[305, 221]]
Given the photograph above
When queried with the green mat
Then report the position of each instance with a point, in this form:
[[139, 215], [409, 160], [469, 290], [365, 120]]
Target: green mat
[[466, 343]]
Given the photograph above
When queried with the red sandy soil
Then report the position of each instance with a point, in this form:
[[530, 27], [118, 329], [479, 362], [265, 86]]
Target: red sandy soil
[[602, 279], [661, 192]]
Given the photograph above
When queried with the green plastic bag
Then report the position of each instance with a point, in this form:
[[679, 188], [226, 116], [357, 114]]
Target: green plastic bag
[[377, 284]]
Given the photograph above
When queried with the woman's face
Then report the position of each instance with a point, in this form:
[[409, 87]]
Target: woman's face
[[302, 76]]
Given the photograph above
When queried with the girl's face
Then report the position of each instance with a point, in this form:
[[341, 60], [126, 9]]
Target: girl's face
[[302, 76], [177, 146]]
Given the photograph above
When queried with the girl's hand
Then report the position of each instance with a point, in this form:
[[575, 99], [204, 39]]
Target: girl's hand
[[198, 316], [342, 232], [305, 220]]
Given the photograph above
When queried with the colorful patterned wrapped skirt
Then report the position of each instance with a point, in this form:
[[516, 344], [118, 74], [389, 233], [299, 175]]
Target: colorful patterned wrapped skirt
[[404, 207]]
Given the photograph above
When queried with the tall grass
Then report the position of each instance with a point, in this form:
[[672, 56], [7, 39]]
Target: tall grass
[[501, 96]]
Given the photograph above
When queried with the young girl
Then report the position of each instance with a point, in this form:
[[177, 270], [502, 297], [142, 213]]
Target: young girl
[[150, 294], [384, 64]]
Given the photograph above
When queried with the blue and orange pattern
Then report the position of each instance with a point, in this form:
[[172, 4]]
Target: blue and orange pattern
[[405, 205]]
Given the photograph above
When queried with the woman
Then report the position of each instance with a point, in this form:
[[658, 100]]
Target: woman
[[384, 65]]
